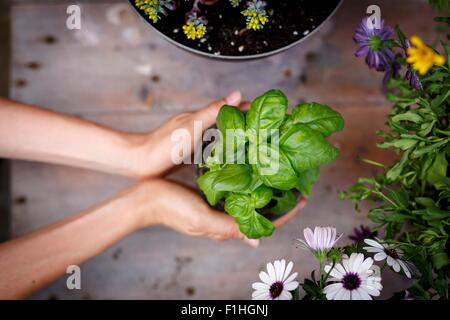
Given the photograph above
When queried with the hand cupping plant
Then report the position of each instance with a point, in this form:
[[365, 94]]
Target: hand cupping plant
[[413, 194], [253, 11], [266, 157]]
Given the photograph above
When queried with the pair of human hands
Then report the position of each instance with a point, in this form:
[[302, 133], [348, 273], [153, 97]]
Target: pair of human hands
[[179, 207]]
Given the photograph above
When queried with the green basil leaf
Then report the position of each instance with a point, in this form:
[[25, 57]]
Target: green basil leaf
[[256, 182], [255, 226], [233, 177], [230, 118], [306, 148], [318, 117], [274, 168], [267, 111], [306, 180], [205, 183], [231, 124], [239, 205], [251, 223], [261, 196], [286, 202]]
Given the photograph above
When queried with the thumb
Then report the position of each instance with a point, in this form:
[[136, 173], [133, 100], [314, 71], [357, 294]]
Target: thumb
[[223, 227], [208, 115]]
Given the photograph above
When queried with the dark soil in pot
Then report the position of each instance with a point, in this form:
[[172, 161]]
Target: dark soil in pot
[[227, 37], [266, 211]]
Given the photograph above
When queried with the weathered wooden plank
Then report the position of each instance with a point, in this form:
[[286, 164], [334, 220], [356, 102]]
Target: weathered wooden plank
[[126, 77]]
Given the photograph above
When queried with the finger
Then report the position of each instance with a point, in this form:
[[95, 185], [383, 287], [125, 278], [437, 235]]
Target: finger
[[252, 242], [244, 106], [208, 115], [291, 214]]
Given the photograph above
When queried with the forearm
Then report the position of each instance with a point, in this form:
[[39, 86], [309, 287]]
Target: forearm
[[31, 133], [35, 260]]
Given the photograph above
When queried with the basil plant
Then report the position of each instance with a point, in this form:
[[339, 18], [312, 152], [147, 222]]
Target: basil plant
[[265, 158]]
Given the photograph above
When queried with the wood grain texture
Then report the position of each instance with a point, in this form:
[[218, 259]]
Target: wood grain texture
[[125, 76]]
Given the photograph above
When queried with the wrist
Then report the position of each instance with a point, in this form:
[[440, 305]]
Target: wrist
[[137, 153], [143, 204]]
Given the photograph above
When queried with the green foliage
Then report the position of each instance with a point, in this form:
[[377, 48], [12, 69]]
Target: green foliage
[[412, 196], [272, 154], [235, 3], [442, 5], [155, 8]]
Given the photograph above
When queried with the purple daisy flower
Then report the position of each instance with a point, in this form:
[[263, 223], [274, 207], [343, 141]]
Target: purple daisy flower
[[370, 43], [411, 75], [364, 232], [392, 71]]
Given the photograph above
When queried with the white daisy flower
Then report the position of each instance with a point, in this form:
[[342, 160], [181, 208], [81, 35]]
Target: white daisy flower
[[322, 239], [276, 282], [391, 254], [355, 278]]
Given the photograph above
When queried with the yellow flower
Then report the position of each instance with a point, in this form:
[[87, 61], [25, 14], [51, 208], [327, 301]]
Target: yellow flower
[[194, 32], [152, 14], [255, 21], [421, 57], [263, 20], [149, 7], [201, 30]]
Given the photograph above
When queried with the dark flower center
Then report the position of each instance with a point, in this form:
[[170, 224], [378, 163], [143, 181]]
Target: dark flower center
[[276, 289], [375, 43], [392, 253], [351, 281]]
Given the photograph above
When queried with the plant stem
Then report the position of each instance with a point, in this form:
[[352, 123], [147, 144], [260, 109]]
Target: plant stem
[[320, 272]]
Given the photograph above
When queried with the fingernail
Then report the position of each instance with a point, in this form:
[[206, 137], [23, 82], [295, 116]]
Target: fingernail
[[252, 242], [234, 98]]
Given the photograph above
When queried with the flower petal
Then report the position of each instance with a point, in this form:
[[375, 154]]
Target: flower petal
[[271, 272], [373, 243], [363, 267], [331, 290], [405, 268], [380, 256], [396, 266], [288, 270], [291, 286], [309, 237], [260, 286], [291, 277], [265, 278], [285, 295], [261, 296], [373, 250], [363, 294]]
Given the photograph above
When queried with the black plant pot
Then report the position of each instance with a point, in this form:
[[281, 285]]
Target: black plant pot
[[290, 22]]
